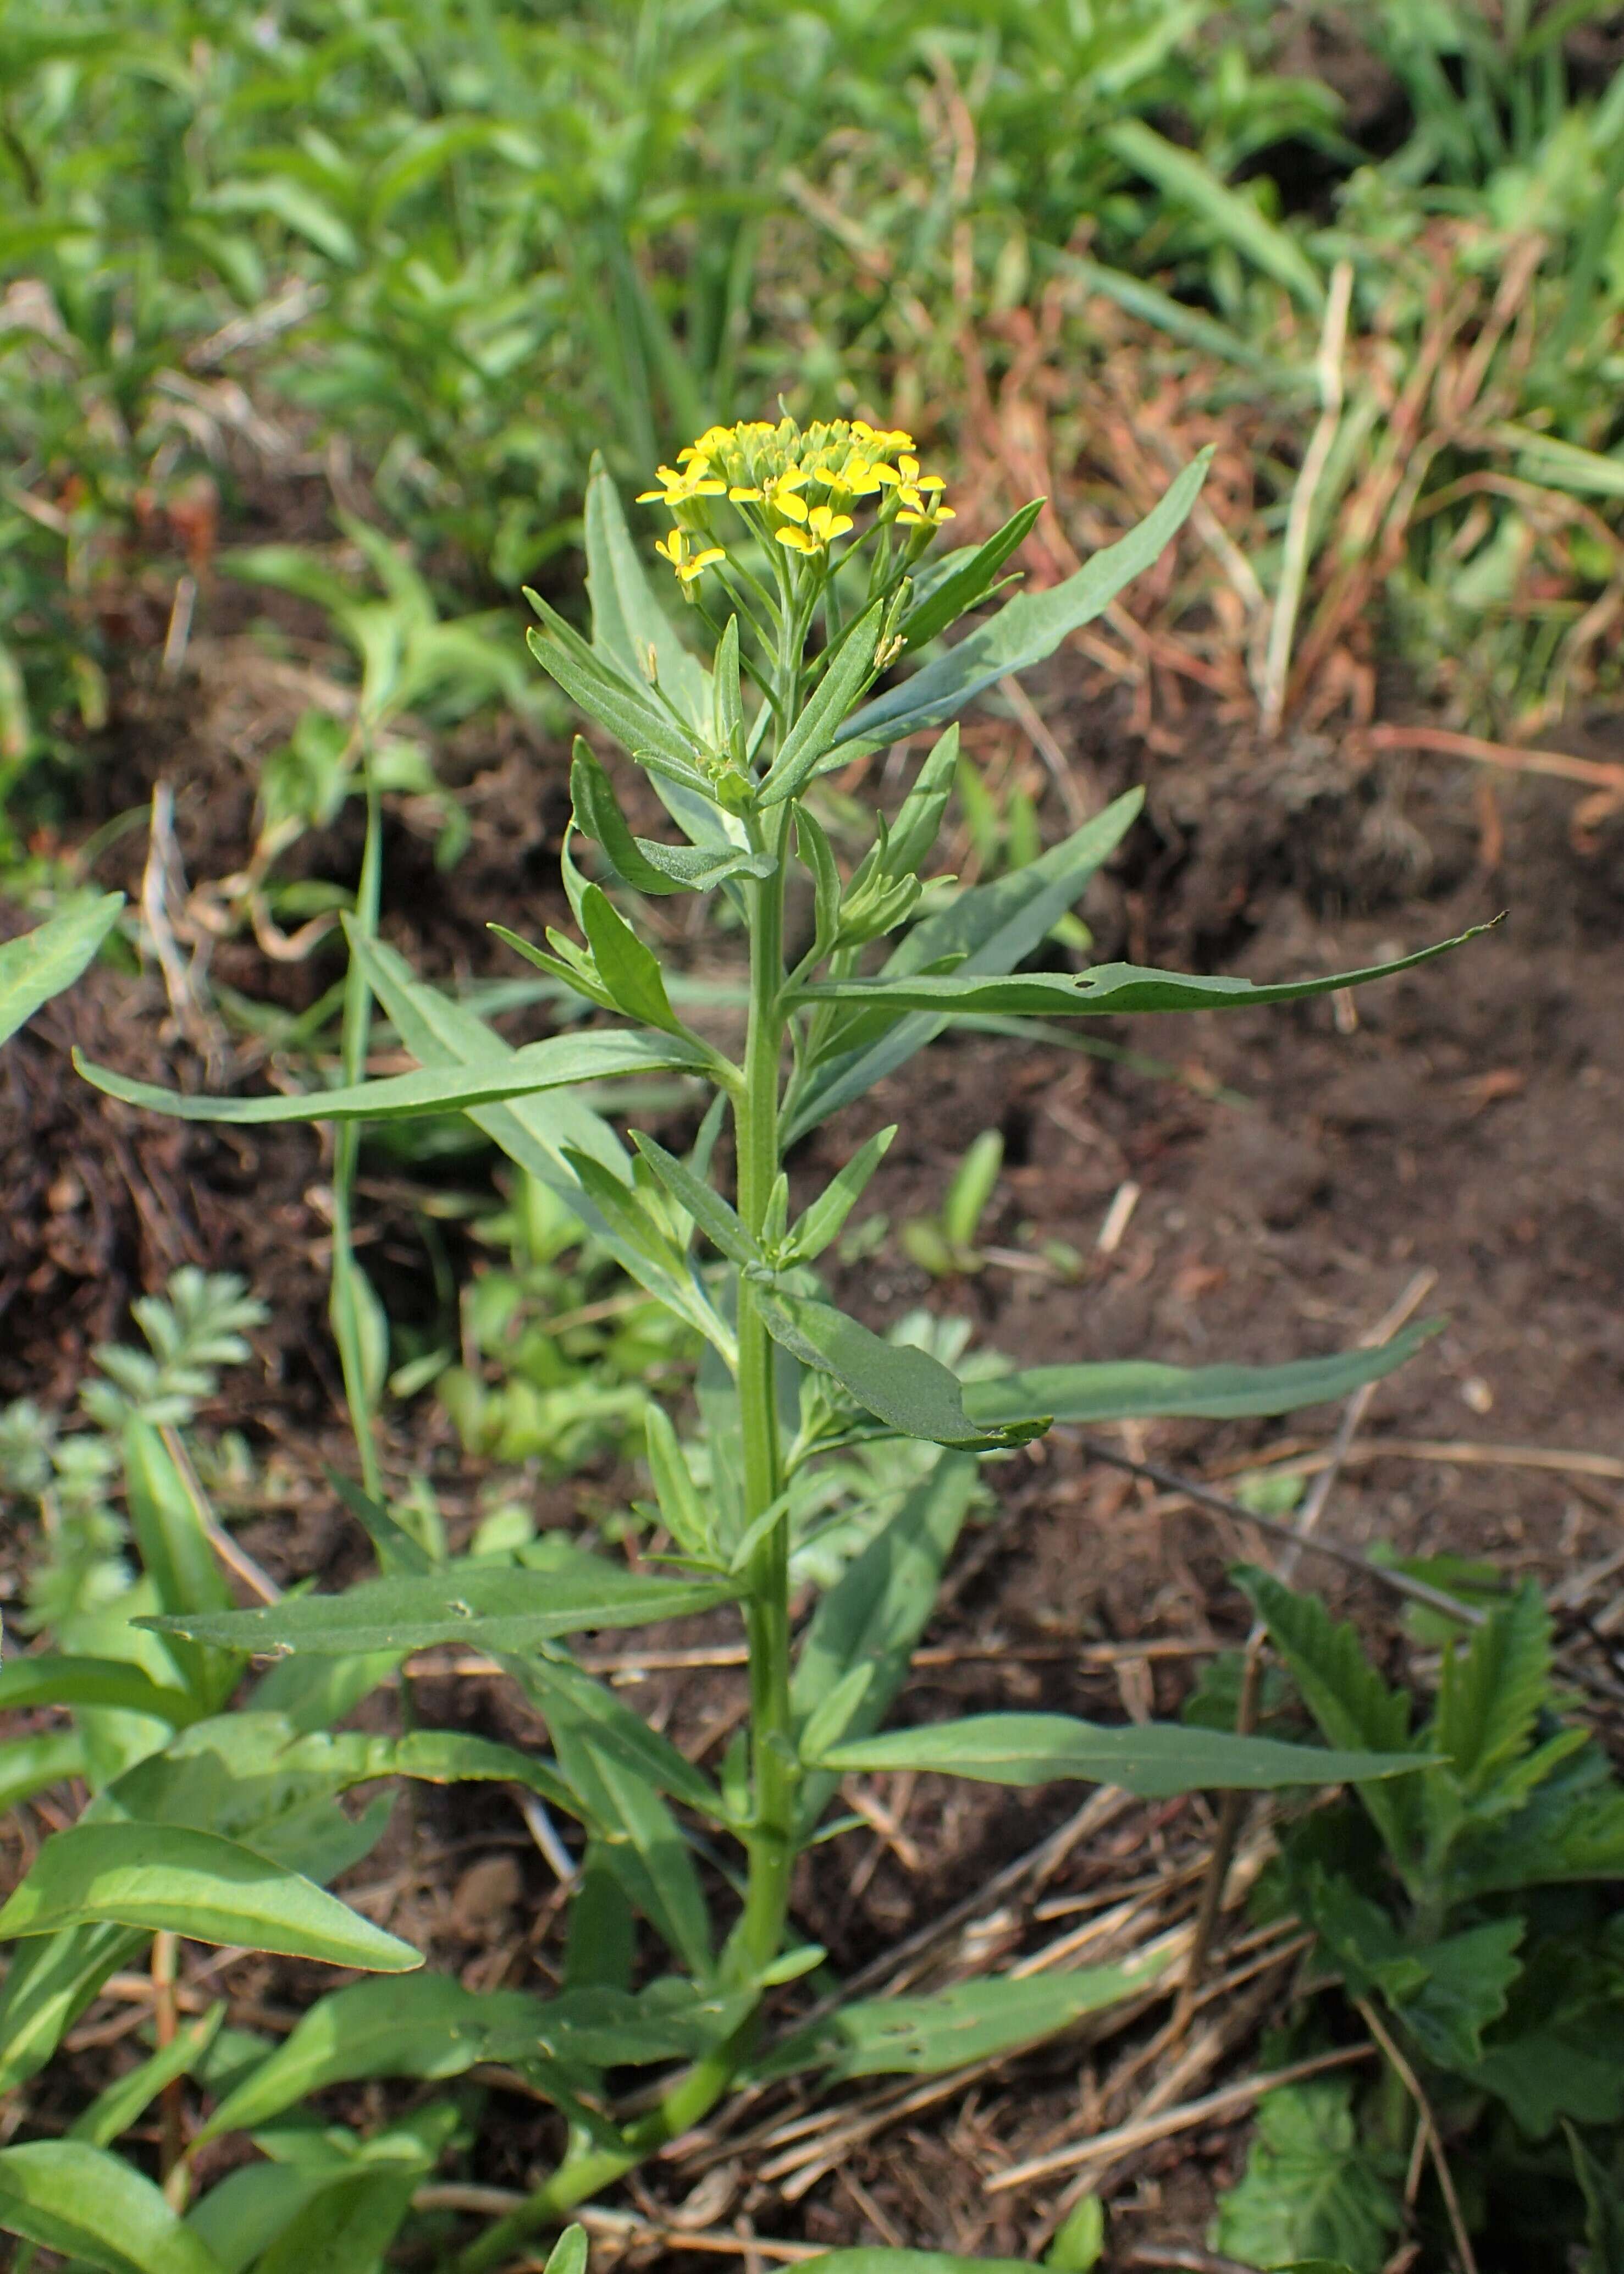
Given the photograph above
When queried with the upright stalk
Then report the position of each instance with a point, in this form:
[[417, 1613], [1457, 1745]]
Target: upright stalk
[[349, 1299], [771, 1840]]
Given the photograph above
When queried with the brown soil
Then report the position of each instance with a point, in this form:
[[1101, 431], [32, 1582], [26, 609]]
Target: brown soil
[[1463, 1123]]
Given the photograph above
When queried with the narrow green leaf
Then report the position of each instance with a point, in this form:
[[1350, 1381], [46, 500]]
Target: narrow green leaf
[[175, 1553], [813, 735], [915, 833], [686, 1516], [559, 1063], [629, 969], [482, 1605], [1110, 990], [44, 962], [914, 1393], [398, 1551], [992, 928], [196, 1884], [47, 1985], [636, 720], [1155, 1762], [818, 856], [646, 866], [113, 2112], [876, 1611], [825, 1218], [1141, 1388], [1185, 178], [628, 623], [971, 2021], [970, 581], [555, 1684], [93, 2208], [111, 1683], [1026, 628], [30, 1765], [709, 1211]]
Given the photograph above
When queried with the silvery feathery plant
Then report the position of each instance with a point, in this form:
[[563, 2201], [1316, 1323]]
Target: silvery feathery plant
[[807, 560]]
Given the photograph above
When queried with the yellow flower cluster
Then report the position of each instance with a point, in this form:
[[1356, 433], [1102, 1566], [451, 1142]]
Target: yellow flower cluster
[[793, 486]]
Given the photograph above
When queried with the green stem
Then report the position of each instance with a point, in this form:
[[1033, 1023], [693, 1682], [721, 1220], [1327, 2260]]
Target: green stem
[[346, 1298], [770, 1841]]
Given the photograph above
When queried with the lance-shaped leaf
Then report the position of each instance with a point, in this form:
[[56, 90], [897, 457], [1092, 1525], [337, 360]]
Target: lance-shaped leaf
[[113, 2112], [629, 627], [870, 1619], [1026, 629], [643, 862], [993, 928], [629, 969], [1141, 1388], [175, 1553], [968, 579], [95, 2209], [709, 1211], [653, 1255], [633, 714], [559, 1063], [482, 1605], [164, 1878], [48, 1986], [638, 1838], [398, 1549], [555, 1683], [49, 958], [1110, 990], [30, 1765], [826, 1216], [113, 1683], [813, 735], [972, 2021], [914, 1393], [1155, 1762]]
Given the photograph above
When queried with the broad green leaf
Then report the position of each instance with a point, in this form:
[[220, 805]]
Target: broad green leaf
[[1110, 990], [644, 863], [44, 962], [877, 1609], [1026, 628], [559, 1063], [113, 2112], [813, 732], [971, 2021], [911, 1391], [482, 1607], [969, 581], [993, 928], [163, 1877], [1183, 178], [628, 623], [47, 1985], [1155, 1761], [825, 1218], [1135, 1389], [1311, 2185], [111, 1683], [93, 2208], [707, 1208], [1348, 1699]]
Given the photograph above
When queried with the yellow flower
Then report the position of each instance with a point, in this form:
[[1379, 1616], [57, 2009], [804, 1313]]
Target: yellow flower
[[824, 524], [694, 481], [687, 565], [925, 516], [792, 508]]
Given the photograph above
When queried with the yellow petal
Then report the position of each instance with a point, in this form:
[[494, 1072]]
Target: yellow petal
[[797, 540], [789, 505], [745, 493]]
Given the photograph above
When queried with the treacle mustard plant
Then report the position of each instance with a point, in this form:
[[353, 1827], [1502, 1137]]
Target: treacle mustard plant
[[807, 555]]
